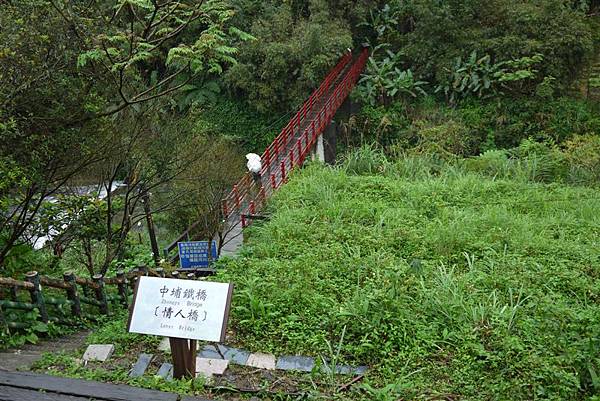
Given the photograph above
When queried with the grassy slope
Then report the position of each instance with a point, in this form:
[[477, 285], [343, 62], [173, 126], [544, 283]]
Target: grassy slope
[[456, 285]]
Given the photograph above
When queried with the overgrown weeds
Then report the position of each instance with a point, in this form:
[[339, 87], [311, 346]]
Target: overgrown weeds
[[459, 279]]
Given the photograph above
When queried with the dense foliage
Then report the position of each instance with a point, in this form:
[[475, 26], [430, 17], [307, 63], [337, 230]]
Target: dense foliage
[[473, 126], [519, 45], [432, 35], [88, 94], [296, 44]]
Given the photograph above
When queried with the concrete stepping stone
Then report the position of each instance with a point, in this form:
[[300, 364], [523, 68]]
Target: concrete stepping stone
[[299, 363], [164, 345], [261, 361], [360, 370], [346, 370], [141, 365], [98, 352], [165, 371], [210, 351], [208, 367], [234, 355]]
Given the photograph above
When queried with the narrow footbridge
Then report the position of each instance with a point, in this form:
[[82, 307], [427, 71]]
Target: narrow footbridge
[[295, 142], [288, 150]]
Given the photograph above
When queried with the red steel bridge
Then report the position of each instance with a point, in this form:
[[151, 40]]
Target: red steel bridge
[[295, 142], [288, 150]]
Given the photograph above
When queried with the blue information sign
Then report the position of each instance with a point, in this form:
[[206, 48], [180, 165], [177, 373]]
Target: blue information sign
[[195, 254]]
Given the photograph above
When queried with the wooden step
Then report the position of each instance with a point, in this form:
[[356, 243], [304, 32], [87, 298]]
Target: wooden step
[[44, 387]]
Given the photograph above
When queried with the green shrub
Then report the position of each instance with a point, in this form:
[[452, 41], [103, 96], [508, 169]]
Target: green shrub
[[384, 80], [578, 162], [22, 258], [540, 162], [419, 166], [475, 126], [493, 163], [480, 77], [366, 160], [506, 123], [582, 154], [449, 138], [379, 124], [432, 34], [232, 120]]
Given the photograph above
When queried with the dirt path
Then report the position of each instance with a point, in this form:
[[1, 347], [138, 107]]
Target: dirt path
[[23, 357]]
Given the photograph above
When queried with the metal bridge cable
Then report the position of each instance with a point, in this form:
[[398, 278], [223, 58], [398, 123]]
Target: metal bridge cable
[[280, 118]]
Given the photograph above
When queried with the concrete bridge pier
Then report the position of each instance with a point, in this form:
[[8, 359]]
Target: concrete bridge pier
[[318, 153], [325, 148], [330, 143]]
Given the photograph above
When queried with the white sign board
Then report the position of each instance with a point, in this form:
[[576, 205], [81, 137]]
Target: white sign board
[[192, 309]]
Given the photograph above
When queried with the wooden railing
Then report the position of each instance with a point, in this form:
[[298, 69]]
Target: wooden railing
[[81, 293]]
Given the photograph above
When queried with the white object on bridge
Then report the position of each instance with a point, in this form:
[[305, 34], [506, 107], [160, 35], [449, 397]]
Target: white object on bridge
[[254, 163]]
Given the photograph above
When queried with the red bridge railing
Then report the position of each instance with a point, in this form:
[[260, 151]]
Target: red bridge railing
[[291, 147]]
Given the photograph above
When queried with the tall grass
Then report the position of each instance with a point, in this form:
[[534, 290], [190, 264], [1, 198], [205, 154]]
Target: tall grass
[[475, 284], [577, 162]]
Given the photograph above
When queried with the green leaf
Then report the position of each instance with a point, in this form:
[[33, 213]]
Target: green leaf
[[85, 57], [40, 327], [245, 36]]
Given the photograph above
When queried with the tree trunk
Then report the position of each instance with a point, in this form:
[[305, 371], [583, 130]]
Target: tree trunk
[[151, 232], [87, 250]]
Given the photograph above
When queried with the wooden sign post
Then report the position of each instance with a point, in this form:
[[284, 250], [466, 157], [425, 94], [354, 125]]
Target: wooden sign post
[[183, 352], [184, 311]]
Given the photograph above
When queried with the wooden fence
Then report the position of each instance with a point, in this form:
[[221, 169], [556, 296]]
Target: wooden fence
[[43, 294]]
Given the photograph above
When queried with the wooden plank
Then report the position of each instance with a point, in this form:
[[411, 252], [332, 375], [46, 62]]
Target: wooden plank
[[52, 282], [114, 280], [82, 388], [20, 394], [9, 282], [17, 305], [85, 282], [183, 352]]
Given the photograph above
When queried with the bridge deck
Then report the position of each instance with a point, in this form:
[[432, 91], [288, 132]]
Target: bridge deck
[[296, 140], [27, 386], [234, 236], [289, 150]]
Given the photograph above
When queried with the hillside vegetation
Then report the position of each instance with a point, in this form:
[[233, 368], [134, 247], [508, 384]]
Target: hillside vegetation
[[451, 281], [457, 256], [167, 97]]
